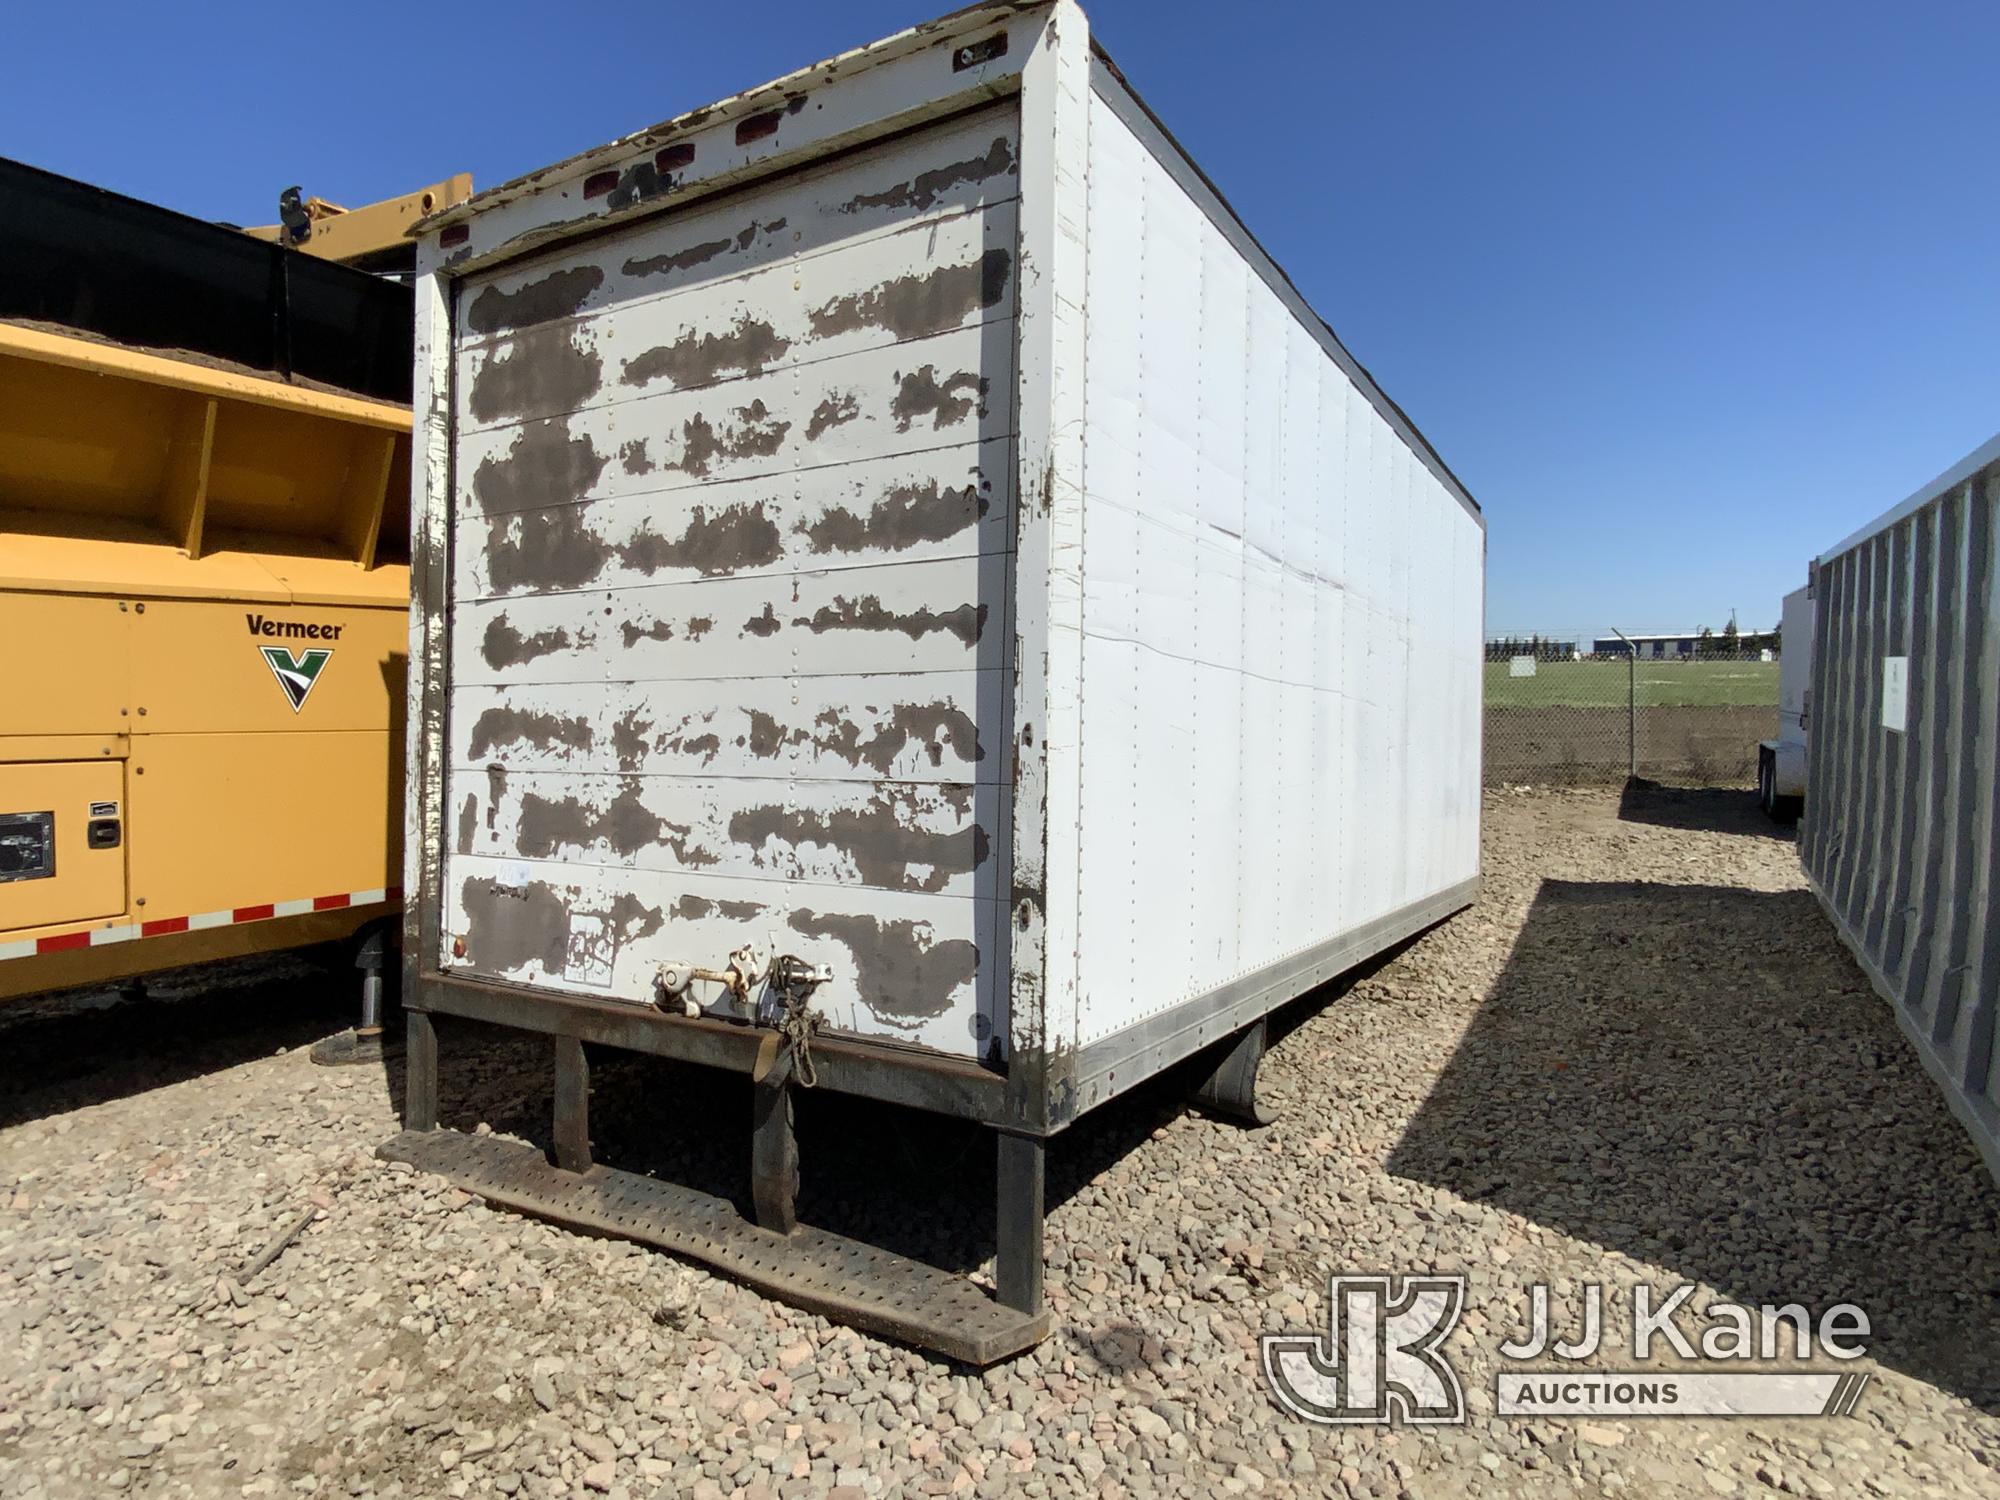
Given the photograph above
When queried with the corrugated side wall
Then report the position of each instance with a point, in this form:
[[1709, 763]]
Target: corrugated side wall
[[1899, 834], [1282, 614], [728, 573]]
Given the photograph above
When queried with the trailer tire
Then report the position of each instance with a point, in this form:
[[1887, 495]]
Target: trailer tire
[[1777, 809]]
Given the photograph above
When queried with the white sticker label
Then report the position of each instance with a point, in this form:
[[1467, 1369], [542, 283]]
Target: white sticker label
[[1521, 666], [1896, 693]]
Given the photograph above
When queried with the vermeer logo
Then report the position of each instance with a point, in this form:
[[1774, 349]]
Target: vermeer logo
[[296, 675], [292, 630]]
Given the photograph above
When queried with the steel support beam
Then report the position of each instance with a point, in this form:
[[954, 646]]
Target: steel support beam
[[420, 1072], [1017, 1259], [572, 1106]]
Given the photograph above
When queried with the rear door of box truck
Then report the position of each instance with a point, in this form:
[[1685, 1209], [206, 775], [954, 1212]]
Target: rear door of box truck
[[729, 570]]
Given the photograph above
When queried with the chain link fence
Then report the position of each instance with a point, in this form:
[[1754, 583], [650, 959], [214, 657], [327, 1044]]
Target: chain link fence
[[1684, 710]]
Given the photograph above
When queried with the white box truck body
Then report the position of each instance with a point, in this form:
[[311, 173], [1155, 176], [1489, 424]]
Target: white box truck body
[[904, 576]]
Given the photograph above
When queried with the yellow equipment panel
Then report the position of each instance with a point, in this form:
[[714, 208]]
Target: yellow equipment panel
[[48, 870], [68, 665], [233, 820], [213, 667]]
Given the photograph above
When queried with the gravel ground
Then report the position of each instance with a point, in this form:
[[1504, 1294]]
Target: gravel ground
[[1641, 1059]]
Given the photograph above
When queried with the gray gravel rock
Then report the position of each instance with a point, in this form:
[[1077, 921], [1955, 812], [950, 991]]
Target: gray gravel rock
[[1641, 1059]]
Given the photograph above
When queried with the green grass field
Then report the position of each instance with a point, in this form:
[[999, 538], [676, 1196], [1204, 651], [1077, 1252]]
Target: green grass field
[[1601, 684]]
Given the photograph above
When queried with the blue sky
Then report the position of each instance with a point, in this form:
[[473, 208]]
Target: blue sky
[[1683, 292]]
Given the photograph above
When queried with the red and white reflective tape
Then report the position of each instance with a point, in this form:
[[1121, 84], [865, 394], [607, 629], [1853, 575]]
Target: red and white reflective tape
[[98, 937]]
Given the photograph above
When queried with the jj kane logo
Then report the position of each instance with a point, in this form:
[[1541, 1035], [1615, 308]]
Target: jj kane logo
[[1381, 1357], [295, 674]]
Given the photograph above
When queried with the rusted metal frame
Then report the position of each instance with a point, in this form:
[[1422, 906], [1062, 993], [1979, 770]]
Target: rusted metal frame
[[843, 1279], [1230, 1088], [1046, 638], [1020, 1213], [430, 540], [420, 1071], [774, 1144], [921, 1080], [1109, 85], [1108, 1067], [571, 1150], [863, 96]]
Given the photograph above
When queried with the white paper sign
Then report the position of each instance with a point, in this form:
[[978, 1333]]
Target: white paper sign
[[1521, 666], [1895, 693]]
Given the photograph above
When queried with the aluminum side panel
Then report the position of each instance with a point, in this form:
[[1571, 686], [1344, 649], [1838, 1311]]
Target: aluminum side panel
[[1281, 624], [732, 528], [1901, 829]]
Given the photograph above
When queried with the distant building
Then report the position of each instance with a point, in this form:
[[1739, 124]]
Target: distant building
[[1541, 647], [1669, 647]]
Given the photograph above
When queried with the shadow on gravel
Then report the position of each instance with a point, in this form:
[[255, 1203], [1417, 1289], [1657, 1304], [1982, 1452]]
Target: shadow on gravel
[[1699, 810], [71, 1050], [1700, 1077]]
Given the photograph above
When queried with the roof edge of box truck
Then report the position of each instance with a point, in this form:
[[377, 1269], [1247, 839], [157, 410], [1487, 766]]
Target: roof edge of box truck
[[838, 655]]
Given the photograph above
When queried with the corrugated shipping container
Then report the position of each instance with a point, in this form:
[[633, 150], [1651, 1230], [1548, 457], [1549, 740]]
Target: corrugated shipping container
[[1900, 839], [899, 520]]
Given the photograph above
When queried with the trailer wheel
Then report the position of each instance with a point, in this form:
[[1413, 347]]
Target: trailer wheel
[[1777, 809]]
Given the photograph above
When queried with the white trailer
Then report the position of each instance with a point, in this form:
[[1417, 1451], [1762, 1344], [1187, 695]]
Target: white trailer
[[909, 597], [1781, 762]]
